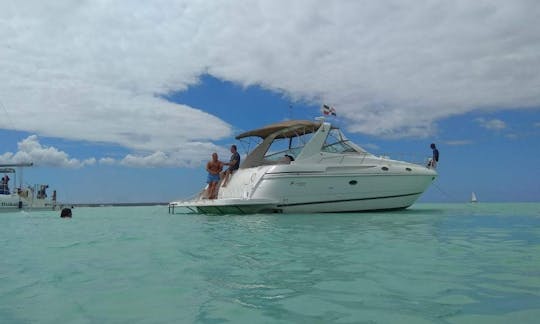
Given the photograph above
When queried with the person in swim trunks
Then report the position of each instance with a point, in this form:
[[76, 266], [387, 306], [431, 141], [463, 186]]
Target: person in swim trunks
[[214, 168]]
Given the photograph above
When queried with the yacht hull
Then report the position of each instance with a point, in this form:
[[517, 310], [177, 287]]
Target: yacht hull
[[14, 203], [224, 206], [270, 189], [329, 194]]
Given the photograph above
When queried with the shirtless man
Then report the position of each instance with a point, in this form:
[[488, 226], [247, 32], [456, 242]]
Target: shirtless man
[[213, 167]]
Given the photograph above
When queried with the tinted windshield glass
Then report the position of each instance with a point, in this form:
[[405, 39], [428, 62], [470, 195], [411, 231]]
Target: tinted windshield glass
[[337, 143]]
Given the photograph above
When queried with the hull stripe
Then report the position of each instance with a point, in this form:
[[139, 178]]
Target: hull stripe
[[347, 200]]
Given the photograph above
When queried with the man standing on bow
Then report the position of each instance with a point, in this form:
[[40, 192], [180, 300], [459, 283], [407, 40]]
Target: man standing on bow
[[435, 158]]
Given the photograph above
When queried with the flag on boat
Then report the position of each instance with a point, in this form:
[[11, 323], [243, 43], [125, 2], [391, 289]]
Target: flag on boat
[[327, 110]]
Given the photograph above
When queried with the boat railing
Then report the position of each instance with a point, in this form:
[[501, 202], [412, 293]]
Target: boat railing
[[339, 158], [199, 195], [407, 157]]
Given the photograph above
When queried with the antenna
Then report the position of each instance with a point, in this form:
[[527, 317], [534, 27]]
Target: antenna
[[7, 114]]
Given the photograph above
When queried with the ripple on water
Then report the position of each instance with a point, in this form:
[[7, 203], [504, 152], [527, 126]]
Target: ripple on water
[[429, 264]]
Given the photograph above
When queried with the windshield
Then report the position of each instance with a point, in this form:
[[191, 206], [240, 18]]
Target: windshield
[[297, 145], [337, 143]]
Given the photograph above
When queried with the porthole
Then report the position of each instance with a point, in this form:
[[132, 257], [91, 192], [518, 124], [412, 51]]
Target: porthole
[[408, 169], [384, 168], [353, 182]]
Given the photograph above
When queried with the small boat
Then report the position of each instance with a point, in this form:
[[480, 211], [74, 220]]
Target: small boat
[[33, 197], [473, 198], [304, 166]]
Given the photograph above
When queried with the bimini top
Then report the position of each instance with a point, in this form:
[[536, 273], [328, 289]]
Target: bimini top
[[27, 164], [9, 167], [289, 128]]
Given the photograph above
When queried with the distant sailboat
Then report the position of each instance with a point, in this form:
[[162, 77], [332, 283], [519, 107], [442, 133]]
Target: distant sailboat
[[473, 198]]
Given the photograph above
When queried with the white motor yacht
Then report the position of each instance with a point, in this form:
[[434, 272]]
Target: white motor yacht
[[311, 167], [33, 197]]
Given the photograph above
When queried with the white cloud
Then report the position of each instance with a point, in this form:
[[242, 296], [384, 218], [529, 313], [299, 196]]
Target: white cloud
[[190, 155], [537, 124], [30, 150], [94, 70], [459, 142], [152, 160], [107, 161], [491, 124]]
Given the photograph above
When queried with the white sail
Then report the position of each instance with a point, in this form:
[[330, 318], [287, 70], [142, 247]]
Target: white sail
[[473, 197]]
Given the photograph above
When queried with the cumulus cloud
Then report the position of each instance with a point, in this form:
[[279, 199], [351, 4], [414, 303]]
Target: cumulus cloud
[[98, 70], [491, 124], [459, 142], [107, 161], [190, 155], [30, 150]]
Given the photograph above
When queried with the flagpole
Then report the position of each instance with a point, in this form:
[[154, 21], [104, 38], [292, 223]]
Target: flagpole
[[290, 111]]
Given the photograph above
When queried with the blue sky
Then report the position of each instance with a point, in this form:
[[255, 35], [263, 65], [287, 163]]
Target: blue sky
[[125, 102]]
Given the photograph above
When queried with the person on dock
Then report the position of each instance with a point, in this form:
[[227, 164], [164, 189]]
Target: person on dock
[[213, 167]]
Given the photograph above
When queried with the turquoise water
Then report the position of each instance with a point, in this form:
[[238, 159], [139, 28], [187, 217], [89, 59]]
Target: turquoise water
[[432, 263]]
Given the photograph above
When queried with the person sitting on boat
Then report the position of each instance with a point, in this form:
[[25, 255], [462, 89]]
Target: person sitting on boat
[[42, 192], [22, 192], [214, 168], [4, 187], [288, 158], [234, 164]]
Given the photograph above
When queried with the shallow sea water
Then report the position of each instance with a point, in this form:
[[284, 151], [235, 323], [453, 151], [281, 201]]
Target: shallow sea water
[[432, 263]]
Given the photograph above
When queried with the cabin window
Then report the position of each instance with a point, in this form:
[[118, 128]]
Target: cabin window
[[279, 148], [290, 146]]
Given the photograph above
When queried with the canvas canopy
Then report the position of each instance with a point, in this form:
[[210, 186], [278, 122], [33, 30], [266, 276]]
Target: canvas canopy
[[289, 128]]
